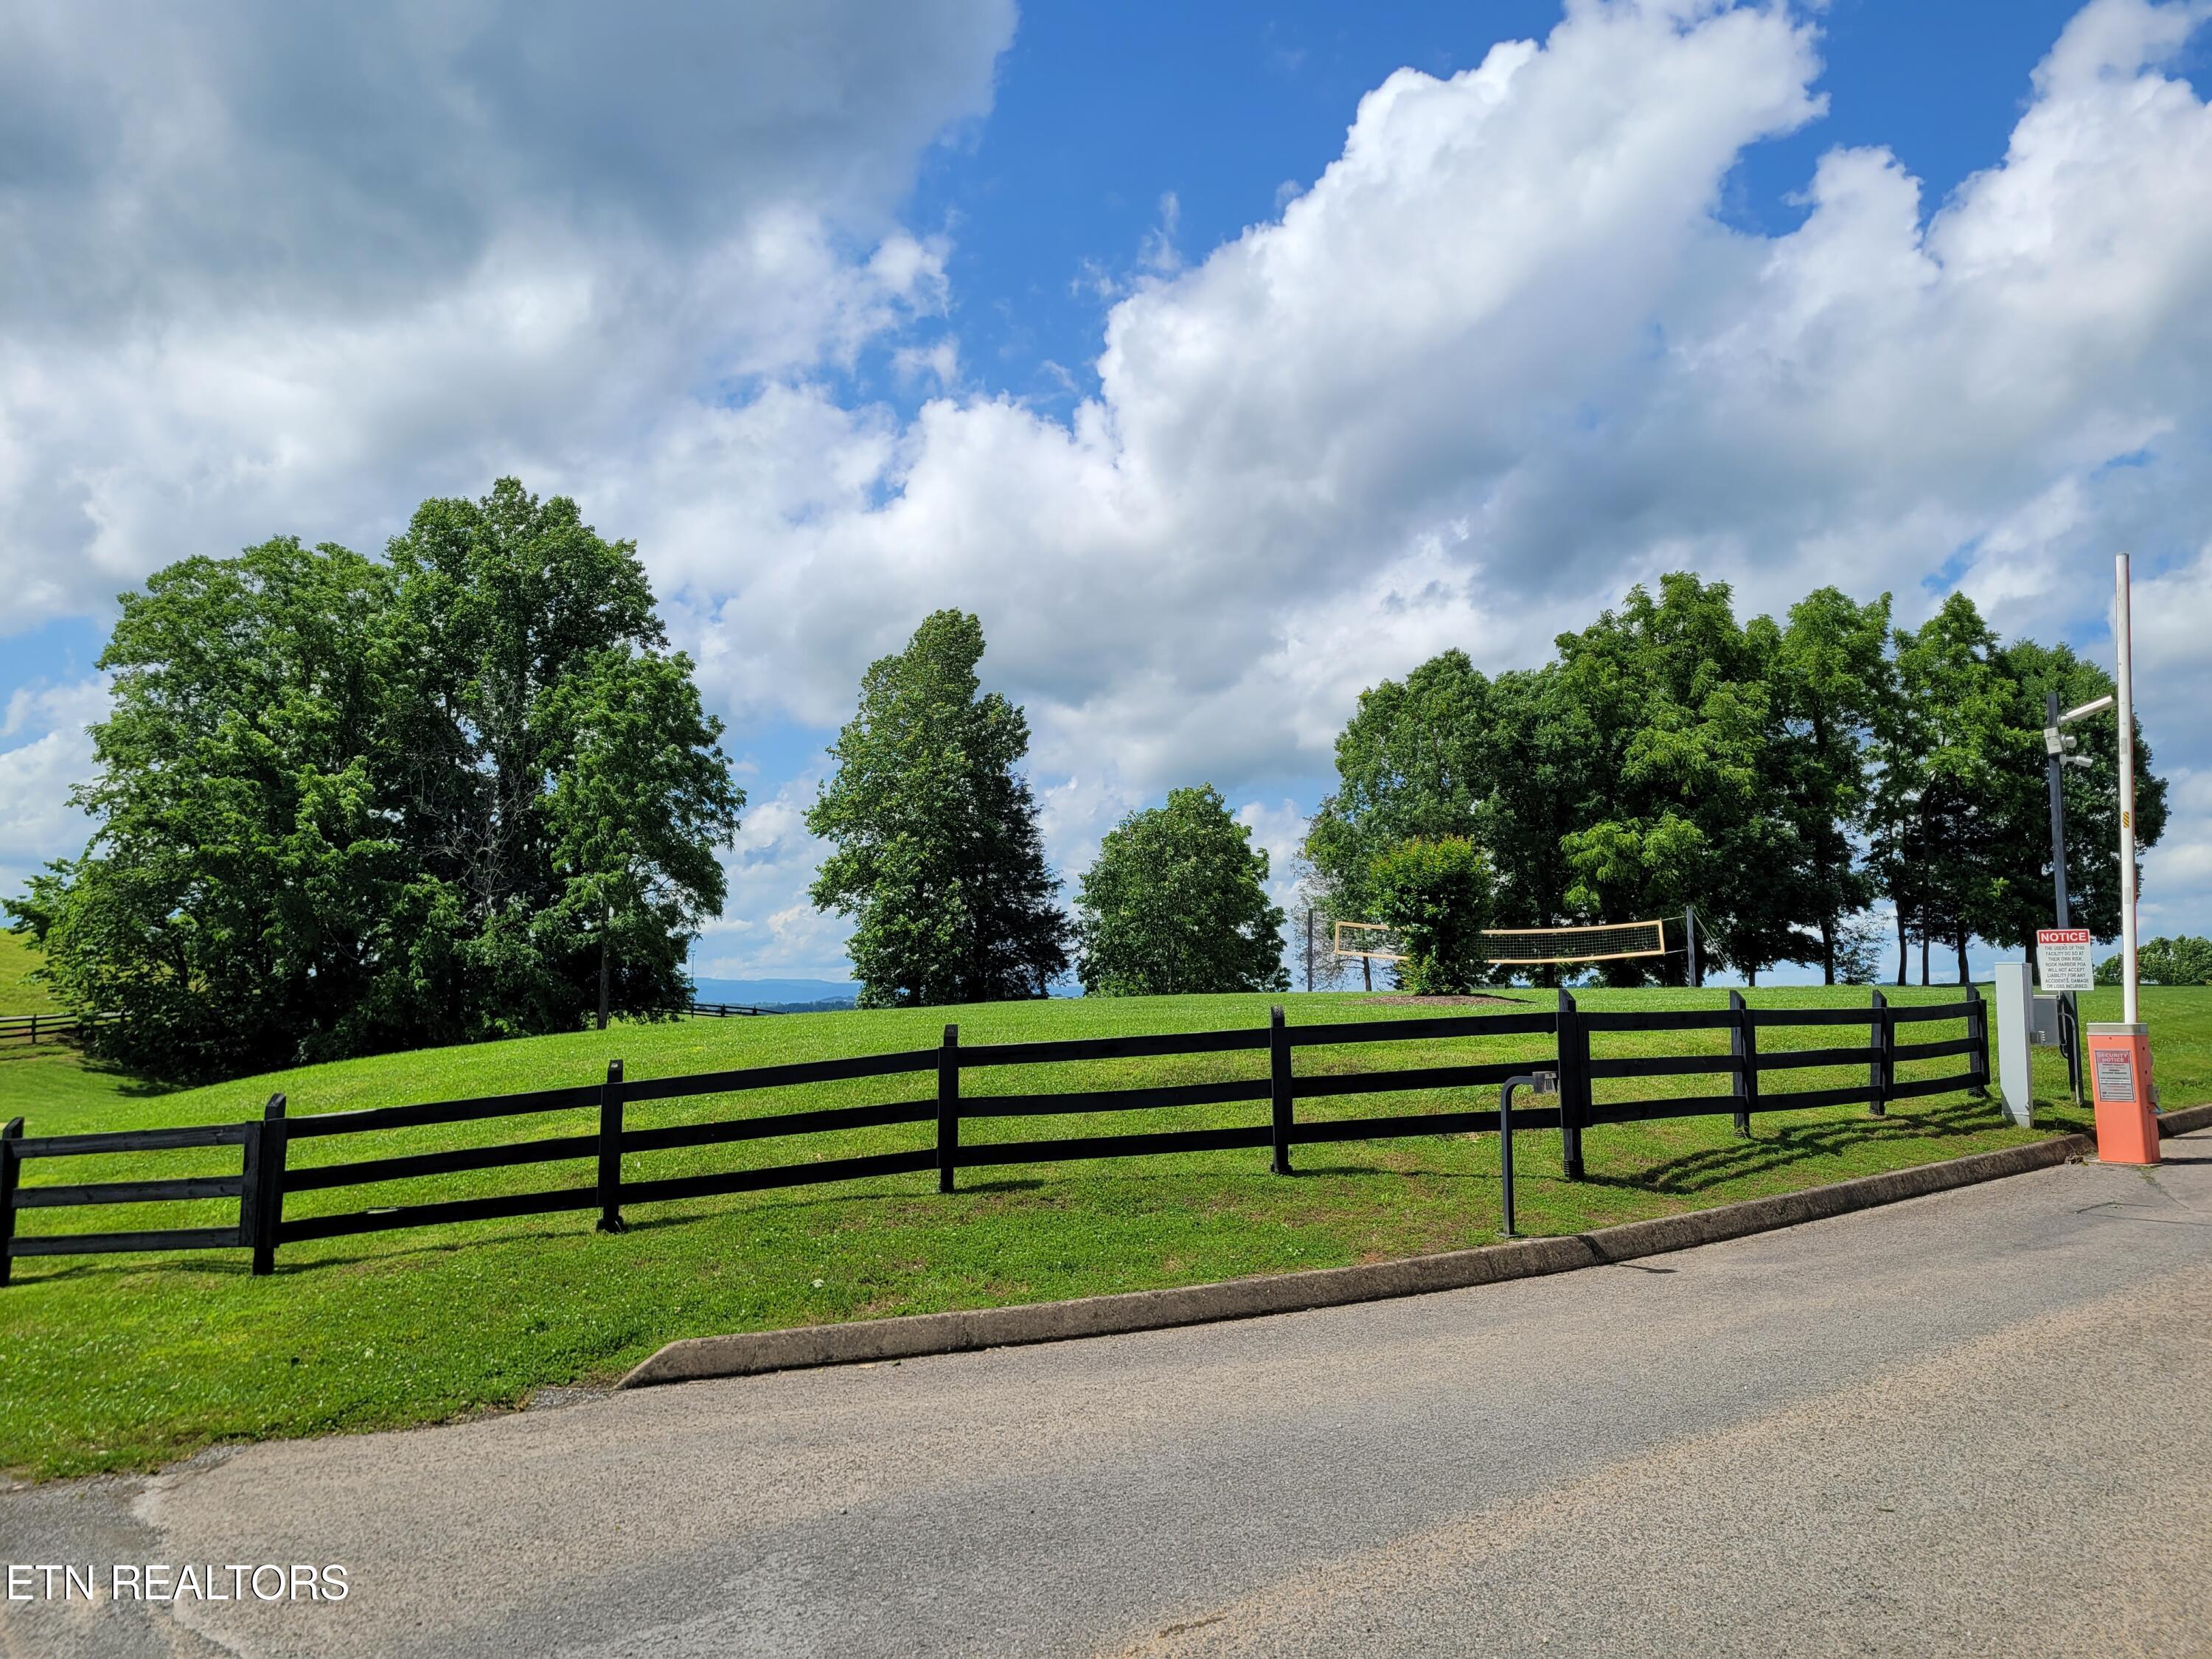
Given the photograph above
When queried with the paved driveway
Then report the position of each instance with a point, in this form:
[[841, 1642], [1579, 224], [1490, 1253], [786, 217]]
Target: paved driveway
[[1974, 1423]]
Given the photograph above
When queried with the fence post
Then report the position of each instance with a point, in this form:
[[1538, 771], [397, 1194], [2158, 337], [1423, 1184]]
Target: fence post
[[1743, 1045], [610, 1135], [1877, 1068], [261, 1200], [948, 1108], [8, 1136], [1574, 1086], [1977, 1029], [1278, 1087]]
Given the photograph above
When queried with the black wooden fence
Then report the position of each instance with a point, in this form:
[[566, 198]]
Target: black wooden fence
[[18, 1028], [266, 1176]]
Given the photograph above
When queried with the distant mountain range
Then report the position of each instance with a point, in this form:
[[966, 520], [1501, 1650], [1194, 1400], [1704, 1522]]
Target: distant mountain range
[[776, 992]]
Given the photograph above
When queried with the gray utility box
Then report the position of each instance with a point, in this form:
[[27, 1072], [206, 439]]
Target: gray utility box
[[2043, 1022]]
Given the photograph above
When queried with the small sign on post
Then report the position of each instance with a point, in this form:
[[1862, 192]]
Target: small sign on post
[[2061, 959]]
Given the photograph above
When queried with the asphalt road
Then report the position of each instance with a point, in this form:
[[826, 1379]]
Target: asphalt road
[[1974, 1423]]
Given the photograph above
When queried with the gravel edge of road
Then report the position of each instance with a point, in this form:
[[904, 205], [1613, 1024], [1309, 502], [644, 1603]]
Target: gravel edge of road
[[862, 1341]]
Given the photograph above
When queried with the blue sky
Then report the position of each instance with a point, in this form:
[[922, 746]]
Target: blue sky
[[1221, 364], [1102, 111]]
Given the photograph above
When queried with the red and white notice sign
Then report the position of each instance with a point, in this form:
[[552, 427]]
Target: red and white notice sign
[[2061, 959]]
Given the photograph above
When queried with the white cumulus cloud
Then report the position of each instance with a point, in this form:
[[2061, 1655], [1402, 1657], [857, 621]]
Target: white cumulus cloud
[[1504, 357]]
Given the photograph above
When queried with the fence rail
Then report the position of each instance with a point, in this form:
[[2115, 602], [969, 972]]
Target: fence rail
[[265, 1175], [29, 1028]]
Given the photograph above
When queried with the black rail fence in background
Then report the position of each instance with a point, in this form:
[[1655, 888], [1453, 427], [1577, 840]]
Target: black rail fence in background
[[266, 1176], [19, 1028]]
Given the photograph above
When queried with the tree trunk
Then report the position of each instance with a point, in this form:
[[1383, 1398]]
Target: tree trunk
[[1828, 949], [1962, 953], [1923, 958], [1904, 946], [1750, 977], [603, 981]]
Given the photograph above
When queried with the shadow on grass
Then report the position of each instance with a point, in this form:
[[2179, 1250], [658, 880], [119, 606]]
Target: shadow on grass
[[236, 1264], [132, 1087], [1794, 1144], [1364, 1170]]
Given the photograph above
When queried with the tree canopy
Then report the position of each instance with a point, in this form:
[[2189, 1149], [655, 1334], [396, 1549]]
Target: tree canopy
[[344, 805], [1177, 902], [937, 855], [1778, 776], [1435, 895], [2185, 960]]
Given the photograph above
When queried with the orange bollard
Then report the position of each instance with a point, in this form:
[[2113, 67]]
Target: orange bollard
[[2127, 1118]]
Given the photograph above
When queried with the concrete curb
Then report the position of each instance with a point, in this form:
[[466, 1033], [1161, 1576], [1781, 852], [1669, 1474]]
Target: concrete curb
[[2187, 1120], [867, 1340]]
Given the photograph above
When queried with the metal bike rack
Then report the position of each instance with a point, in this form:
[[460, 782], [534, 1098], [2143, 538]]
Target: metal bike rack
[[1542, 1083]]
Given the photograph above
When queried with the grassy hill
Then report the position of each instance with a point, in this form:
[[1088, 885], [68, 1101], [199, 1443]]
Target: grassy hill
[[123, 1362], [19, 993], [51, 1082]]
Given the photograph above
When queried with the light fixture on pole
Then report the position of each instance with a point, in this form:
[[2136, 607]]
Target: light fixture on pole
[[2061, 953]]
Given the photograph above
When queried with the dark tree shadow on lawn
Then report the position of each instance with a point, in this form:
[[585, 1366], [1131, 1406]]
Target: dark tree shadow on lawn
[[132, 1086], [1365, 1171]]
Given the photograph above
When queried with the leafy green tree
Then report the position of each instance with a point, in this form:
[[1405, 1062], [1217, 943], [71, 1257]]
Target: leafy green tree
[[1775, 776], [1503, 763], [633, 820], [1829, 679], [1436, 895], [2186, 960], [1538, 740], [1652, 766], [232, 899], [1683, 803], [1176, 903], [530, 653], [345, 806], [1950, 757], [1411, 762], [1960, 825], [937, 855]]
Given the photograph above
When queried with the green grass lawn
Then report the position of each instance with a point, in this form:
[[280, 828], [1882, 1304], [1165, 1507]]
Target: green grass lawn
[[21, 992], [50, 1083], [109, 1363]]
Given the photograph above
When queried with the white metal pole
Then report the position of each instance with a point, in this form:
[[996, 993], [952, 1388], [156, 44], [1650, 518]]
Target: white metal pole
[[2127, 719]]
